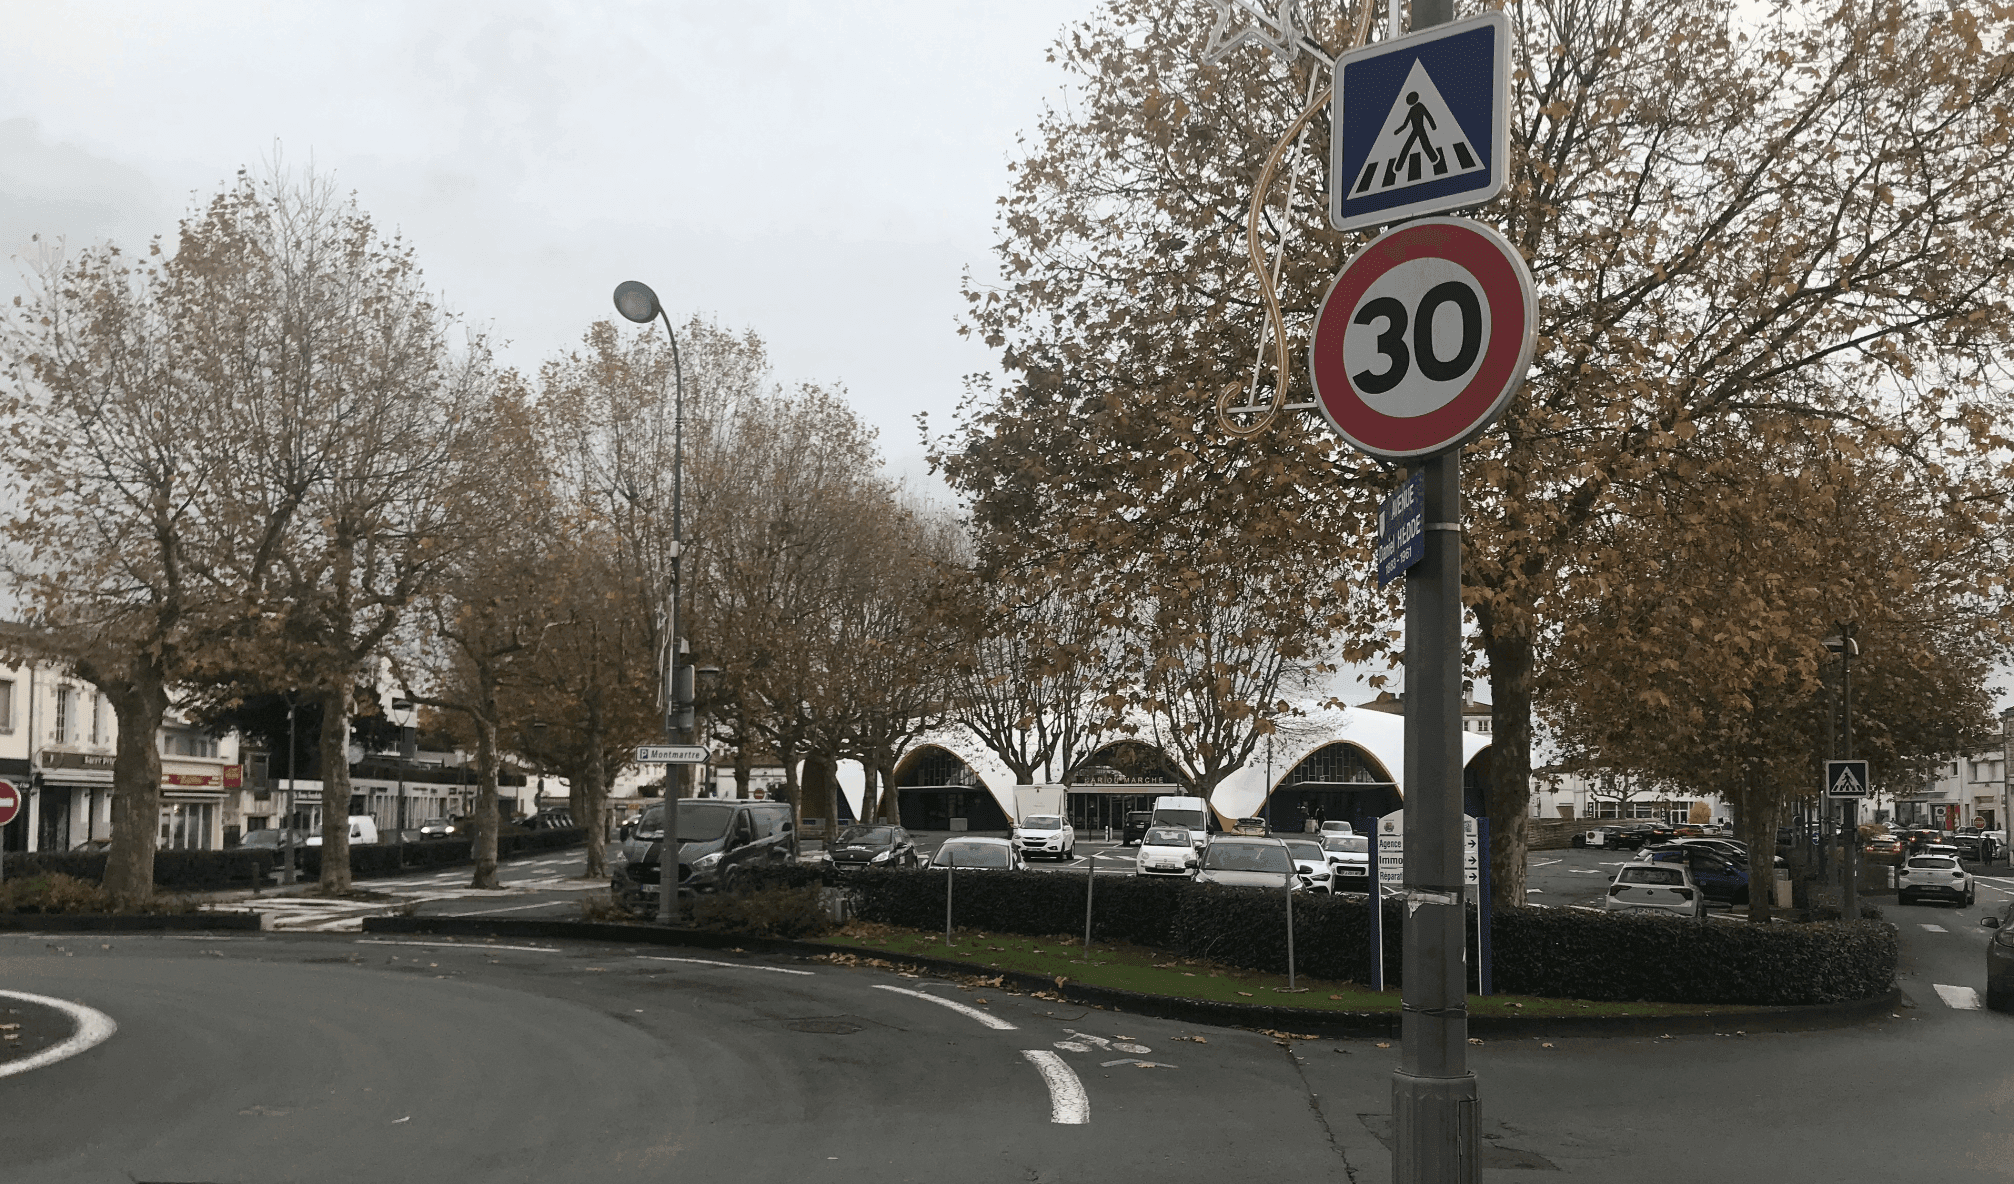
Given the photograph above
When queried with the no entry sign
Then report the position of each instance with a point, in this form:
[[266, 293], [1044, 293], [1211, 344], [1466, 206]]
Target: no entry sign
[[1423, 338], [10, 802]]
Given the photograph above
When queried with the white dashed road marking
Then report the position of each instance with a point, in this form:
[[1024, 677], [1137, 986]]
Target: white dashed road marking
[[1934, 928], [729, 965], [1067, 1103], [453, 945], [1962, 998], [94, 1027], [987, 1018]]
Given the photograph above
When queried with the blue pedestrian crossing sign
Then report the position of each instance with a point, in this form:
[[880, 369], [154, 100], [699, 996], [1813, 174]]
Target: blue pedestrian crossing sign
[[1421, 124], [1846, 780]]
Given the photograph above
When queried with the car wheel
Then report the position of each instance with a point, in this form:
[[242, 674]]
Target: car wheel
[[1998, 998], [1971, 894]]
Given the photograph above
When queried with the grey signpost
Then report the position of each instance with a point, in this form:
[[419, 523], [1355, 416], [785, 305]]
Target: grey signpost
[[1418, 347]]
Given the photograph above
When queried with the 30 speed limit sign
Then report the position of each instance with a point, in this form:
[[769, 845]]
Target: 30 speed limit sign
[[1423, 338]]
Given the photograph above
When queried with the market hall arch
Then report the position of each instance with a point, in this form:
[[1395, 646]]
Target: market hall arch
[[1118, 778], [936, 789], [1339, 781]]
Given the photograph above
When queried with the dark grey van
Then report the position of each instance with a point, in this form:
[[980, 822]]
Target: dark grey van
[[718, 839]]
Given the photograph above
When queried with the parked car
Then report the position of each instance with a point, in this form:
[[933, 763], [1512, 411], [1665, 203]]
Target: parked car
[[272, 838], [1044, 834], [1349, 862], [1938, 876], [1338, 828], [1135, 829], [1717, 875], [717, 841], [1975, 844], [859, 847], [979, 854], [1247, 862], [2000, 961], [1662, 887], [1250, 826], [1312, 862], [1165, 851], [363, 829], [96, 846], [1886, 849], [439, 828]]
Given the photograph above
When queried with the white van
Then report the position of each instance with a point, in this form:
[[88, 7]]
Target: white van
[[1190, 814], [363, 829]]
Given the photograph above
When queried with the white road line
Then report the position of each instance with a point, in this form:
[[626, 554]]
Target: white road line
[[94, 1027], [452, 945], [1962, 998], [987, 1018], [729, 965], [1934, 928], [516, 908], [1067, 1103]]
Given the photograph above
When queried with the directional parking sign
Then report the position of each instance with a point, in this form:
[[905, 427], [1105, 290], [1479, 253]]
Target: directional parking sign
[[1846, 780], [1422, 123]]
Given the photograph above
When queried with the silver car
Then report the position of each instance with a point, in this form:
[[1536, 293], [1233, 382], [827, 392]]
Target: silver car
[[1655, 888], [1248, 862]]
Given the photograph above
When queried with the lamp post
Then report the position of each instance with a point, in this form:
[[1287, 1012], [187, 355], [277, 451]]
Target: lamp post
[[1843, 644], [402, 715], [636, 302]]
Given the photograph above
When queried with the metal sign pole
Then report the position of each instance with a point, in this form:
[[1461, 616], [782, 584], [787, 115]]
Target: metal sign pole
[[1377, 913], [1433, 1092]]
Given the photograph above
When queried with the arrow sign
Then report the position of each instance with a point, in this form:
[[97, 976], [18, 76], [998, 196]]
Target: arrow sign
[[671, 754], [1846, 780]]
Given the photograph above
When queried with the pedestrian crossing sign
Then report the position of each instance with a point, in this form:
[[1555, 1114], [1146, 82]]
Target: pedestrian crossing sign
[[1421, 124], [1846, 780]]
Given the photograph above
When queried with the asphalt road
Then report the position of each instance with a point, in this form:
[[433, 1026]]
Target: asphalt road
[[335, 1056]]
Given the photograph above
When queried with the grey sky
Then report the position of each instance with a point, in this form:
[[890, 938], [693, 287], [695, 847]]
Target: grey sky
[[821, 173]]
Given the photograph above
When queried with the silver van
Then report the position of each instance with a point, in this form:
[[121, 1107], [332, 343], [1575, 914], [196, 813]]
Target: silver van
[[718, 840]]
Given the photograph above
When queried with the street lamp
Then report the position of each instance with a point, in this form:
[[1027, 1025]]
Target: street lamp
[[402, 715], [1843, 644], [636, 302]]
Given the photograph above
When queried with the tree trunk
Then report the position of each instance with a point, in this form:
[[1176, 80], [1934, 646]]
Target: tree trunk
[[1757, 828], [484, 848], [1509, 796], [336, 789], [790, 790], [870, 789], [139, 703], [592, 795], [891, 804]]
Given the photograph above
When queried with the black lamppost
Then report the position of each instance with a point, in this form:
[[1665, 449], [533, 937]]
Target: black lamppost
[[402, 715], [636, 302]]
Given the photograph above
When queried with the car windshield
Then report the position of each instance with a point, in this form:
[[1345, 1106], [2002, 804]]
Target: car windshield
[[1651, 875], [1934, 862], [1166, 836], [434, 822], [867, 836], [1193, 819], [1042, 822], [972, 855], [699, 822], [1247, 857], [1357, 844], [261, 838], [1305, 849]]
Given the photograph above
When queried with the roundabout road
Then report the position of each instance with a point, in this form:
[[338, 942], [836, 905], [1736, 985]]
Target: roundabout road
[[344, 1057]]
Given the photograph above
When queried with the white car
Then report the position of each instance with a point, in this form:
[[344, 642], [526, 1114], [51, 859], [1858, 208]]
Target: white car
[[363, 829], [1312, 862], [1655, 888], [979, 854], [1934, 874], [1349, 862], [1165, 851], [1337, 828], [1045, 834]]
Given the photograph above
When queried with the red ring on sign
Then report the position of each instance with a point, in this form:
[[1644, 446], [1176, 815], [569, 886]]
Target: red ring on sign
[[1504, 286]]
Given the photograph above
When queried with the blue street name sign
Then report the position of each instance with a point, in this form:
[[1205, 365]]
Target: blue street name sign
[[1846, 780], [1401, 523], [1422, 124]]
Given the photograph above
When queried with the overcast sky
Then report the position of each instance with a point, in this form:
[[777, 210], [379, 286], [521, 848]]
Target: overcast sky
[[819, 172]]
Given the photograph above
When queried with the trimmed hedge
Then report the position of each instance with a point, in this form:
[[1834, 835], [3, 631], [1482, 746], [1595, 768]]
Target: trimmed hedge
[[196, 871], [1552, 952]]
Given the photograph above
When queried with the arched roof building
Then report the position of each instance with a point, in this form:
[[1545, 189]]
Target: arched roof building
[[1336, 762]]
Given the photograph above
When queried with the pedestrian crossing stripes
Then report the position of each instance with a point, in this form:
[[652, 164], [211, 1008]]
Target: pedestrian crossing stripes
[[1961, 998]]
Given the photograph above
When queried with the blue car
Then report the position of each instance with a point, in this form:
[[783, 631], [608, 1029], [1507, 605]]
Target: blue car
[[1719, 876]]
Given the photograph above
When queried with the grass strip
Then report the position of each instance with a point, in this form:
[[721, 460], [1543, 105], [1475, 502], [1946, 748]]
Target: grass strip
[[1150, 972]]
